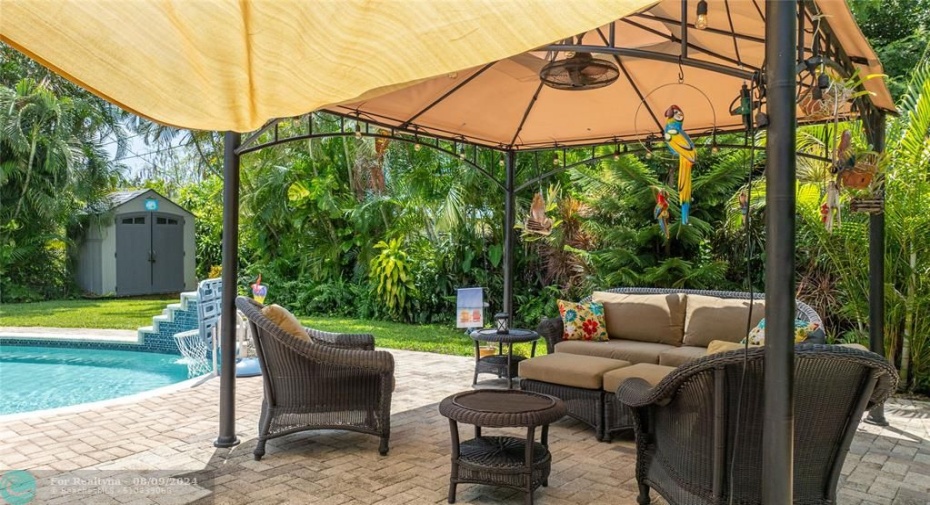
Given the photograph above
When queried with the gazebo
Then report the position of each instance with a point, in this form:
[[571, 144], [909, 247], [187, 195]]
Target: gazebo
[[492, 76]]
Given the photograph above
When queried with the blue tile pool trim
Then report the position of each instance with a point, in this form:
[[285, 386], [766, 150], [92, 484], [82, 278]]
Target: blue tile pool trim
[[83, 344]]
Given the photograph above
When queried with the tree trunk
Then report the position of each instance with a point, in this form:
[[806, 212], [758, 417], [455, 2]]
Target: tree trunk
[[32, 156]]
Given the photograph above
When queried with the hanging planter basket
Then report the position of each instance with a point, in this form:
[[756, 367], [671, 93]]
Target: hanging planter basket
[[833, 101], [861, 175]]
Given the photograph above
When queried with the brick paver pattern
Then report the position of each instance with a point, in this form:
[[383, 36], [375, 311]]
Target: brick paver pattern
[[172, 435]]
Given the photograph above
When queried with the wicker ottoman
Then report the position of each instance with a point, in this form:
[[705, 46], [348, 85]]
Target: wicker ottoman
[[617, 417], [576, 380]]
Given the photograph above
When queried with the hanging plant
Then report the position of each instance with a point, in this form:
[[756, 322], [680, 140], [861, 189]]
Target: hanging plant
[[823, 103]]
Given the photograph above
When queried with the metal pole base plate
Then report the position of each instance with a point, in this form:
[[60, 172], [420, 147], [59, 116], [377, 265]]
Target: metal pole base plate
[[226, 442]]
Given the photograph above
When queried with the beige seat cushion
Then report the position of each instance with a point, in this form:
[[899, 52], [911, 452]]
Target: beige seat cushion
[[573, 370], [681, 355], [709, 318], [645, 318], [285, 320], [723, 346], [653, 374], [583, 348], [627, 350]]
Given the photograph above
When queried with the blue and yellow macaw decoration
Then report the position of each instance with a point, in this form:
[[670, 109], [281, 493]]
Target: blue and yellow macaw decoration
[[679, 143]]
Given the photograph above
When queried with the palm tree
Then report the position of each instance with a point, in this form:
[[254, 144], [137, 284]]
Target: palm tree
[[53, 168]]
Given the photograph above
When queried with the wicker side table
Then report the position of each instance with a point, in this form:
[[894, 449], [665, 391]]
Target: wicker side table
[[512, 462], [501, 364]]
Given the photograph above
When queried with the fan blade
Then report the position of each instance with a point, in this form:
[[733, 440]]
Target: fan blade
[[593, 71], [577, 77]]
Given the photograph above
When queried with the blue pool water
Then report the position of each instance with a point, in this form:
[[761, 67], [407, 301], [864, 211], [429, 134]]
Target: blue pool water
[[35, 378]]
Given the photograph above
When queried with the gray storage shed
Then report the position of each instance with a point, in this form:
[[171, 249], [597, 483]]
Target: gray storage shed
[[147, 247]]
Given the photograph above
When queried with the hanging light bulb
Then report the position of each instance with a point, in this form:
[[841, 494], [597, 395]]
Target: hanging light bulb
[[416, 147], [358, 131], [616, 155], [648, 154], [701, 22], [462, 156], [500, 162], [714, 148], [555, 159]]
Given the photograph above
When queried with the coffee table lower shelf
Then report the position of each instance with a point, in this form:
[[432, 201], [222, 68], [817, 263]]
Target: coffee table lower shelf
[[501, 461]]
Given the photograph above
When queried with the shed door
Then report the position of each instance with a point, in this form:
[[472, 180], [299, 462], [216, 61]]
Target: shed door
[[133, 245], [149, 253], [167, 253]]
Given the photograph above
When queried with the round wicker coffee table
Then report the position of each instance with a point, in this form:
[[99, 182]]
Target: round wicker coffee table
[[517, 463]]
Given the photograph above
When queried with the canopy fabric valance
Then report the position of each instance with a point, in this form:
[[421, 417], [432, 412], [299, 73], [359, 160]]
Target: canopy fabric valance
[[235, 64]]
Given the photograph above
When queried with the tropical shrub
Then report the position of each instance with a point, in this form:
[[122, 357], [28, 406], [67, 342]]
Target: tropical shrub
[[391, 277]]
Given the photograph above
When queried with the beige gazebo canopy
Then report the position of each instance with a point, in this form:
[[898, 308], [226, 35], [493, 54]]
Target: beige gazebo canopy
[[235, 64]]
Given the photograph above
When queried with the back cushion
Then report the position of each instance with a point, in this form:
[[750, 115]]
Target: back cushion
[[709, 318], [645, 318]]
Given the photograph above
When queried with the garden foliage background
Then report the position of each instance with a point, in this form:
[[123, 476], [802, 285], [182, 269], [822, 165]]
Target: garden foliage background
[[333, 231]]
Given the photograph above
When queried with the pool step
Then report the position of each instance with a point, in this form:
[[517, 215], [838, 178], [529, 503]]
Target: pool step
[[175, 318]]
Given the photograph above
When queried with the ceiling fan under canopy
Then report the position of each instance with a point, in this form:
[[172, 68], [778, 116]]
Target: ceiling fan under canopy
[[577, 71]]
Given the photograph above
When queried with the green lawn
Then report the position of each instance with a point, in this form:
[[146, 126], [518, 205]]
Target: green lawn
[[118, 314], [427, 338], [129, 314]]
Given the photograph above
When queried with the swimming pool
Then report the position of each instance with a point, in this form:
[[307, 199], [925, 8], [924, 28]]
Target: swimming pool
[[37, 378]]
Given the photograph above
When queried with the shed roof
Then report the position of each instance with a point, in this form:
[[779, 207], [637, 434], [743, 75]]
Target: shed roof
[[117, 199]]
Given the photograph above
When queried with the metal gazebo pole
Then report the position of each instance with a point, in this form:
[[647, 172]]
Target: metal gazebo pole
[[509, 221], [875, 130], [227, 436], [780, 202]]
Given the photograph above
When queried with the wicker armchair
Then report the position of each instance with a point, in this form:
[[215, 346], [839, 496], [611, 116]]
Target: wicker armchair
[[551, 328], [687, 433], [334, 381]]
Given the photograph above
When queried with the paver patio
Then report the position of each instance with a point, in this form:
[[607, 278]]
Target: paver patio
[[171, 435]]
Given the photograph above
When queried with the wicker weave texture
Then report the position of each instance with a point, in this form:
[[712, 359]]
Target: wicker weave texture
[[687, 434], [585, 405], [332, 381]]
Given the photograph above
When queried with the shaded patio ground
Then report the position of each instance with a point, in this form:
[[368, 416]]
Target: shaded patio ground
[[132, 450]]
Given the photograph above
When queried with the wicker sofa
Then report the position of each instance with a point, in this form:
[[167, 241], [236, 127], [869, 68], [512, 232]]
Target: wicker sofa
[[651, 332]]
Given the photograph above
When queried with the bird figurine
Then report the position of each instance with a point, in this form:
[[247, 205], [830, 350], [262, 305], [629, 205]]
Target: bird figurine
[[538, 222], [680, 144], [744, 207], [843, 157], [661, 212]]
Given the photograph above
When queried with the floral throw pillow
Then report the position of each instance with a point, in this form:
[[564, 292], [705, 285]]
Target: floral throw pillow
[[583, 321], [804, 332]]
